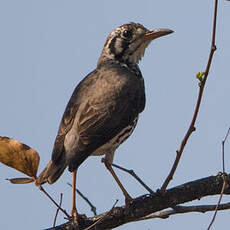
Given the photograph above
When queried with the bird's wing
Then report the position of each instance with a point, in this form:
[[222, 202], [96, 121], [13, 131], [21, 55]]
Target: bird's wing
[[97, 111], [99, 123], [69, 117]]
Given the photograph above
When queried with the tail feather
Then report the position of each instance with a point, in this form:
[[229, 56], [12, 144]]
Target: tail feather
[[51, 173]]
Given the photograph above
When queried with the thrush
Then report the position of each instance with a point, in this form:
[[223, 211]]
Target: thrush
[[104, 108]]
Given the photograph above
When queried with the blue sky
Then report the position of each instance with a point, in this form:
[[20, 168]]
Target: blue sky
[[47, 47]]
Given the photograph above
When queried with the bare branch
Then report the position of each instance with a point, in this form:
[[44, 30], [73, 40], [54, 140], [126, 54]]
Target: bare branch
[[55, 203], [220, 198], [223, 143], [191, 128], [224, 183], [93, 208], [102, 218], [132, 173], [148, 204], [185, 209], [55, 218]]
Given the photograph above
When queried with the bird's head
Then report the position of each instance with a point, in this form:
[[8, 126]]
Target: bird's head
[[127, 43]]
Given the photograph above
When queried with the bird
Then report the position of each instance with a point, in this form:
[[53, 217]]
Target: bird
[[104, 108]]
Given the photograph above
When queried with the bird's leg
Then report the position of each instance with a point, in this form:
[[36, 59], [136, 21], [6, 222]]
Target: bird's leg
[[74, 210], [128, 198]]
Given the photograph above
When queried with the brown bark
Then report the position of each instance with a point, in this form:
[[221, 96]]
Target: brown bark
[[147, 204]]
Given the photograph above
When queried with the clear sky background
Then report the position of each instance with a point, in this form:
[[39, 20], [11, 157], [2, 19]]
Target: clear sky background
[[47, 47]]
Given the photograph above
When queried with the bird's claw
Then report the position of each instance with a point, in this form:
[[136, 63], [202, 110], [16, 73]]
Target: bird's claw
[[128, 201]]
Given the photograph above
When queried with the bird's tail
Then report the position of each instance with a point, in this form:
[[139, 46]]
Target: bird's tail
[[51, 172]]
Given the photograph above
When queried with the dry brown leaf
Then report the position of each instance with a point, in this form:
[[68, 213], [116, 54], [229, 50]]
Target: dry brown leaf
[[19, 156], [21, 180]]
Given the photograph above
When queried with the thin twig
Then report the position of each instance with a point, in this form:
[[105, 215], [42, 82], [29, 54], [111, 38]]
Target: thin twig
[[55, 203], [191, 128], [224, 181], [93, 208], [102, 218], [55, 218], [132, 173], [185, 209], [218, 204], [223, 143]]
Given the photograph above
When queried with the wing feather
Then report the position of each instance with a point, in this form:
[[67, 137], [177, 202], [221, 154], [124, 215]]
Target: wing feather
[[100, 107]]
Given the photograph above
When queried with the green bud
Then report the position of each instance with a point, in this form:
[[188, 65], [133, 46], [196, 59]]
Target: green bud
[[200, 75]]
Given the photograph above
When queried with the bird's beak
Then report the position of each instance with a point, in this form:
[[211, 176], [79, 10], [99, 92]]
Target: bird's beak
[[150, 35]]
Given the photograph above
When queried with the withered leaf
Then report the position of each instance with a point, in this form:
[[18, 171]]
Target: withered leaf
[[21, 180], [19, 156]]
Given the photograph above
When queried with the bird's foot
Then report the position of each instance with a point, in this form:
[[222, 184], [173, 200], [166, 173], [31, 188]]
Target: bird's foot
[[160, 193], [76, 217], [128, 201]]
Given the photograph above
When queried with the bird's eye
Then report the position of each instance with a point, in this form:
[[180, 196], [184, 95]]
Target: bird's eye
[[127, 34]]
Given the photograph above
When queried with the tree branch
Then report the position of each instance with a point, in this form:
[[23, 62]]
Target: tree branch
[[191, 128], [224, 184], [185, 209], [55, 218], [133, 174], [148, 204]]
